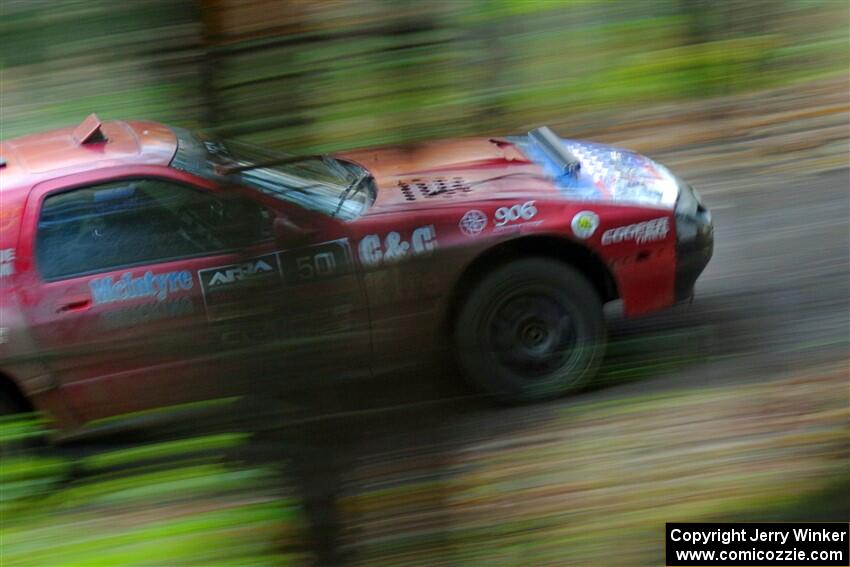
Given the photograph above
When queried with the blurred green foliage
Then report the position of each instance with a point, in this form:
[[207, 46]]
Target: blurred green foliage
[[163, 503], [328, 76], [591, 483]]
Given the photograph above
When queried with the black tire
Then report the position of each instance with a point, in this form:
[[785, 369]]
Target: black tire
[[8, 406], [531, 330], [8, 409]]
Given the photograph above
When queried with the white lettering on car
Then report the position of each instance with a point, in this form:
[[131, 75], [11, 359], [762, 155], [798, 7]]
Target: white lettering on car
[[520, 211], [642, 232], [370, 250], [393, 248], [424, 239], [107, 290], [473, 222], [240, 272]]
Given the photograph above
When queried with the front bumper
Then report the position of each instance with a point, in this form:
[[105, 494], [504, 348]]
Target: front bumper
[[694, 247]]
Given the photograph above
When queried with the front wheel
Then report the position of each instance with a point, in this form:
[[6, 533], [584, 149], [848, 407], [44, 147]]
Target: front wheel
[[531, 330]]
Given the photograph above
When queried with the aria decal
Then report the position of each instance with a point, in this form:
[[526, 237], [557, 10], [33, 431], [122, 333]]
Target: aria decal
[[584, 224], [473, 222], [373, 252], [240, 272], [647, 231], [221, 285]]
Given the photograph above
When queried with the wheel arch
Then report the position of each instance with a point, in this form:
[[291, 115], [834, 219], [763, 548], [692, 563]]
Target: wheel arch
[[558, 248]]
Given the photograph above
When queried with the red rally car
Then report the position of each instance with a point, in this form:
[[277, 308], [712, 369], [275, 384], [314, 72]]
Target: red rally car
[[502, 249]]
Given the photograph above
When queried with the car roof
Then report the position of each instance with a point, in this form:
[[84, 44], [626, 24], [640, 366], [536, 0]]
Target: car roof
[[55, 153]]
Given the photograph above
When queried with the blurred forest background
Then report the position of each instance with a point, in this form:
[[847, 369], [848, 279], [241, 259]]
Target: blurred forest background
[[311, 75], [727, 92]]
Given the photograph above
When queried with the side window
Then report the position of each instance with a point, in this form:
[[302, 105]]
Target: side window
[[140, 221]]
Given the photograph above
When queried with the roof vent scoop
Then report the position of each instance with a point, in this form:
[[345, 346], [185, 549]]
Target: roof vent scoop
[[89, 131], [552, 147]]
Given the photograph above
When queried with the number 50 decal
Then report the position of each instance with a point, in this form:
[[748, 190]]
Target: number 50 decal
[[322, 264], [312, 263], [525, 211]]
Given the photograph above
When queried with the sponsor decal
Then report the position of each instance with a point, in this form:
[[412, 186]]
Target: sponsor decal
[[238, 272], [584, 224], [627, 176], [7, 262], [524, 211], [222, 286], [148, 313], [313, 263], [473, 222], [642, 232], [424, 239], [375, 252], [158, 286]]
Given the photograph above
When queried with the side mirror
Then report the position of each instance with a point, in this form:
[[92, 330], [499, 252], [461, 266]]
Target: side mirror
[[289, 233]]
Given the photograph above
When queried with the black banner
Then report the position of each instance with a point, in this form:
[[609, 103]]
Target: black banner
[[823, 544], [317, 262], [224, 286]]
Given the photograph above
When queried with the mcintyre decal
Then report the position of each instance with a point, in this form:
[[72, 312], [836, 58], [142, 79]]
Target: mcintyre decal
[[641, 232], [156, 286], [375, 251]]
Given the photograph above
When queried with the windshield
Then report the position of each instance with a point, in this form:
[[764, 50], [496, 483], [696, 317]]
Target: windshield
[[319, 183]]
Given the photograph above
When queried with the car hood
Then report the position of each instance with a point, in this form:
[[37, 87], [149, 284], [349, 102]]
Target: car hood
[[441, 173]]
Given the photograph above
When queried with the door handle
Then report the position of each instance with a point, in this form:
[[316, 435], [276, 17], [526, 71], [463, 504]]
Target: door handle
[[74, 304]]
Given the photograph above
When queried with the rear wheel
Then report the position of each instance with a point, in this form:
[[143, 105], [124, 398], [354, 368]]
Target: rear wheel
[[531, 330]]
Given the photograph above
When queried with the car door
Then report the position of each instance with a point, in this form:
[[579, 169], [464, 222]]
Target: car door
[[117, 287]]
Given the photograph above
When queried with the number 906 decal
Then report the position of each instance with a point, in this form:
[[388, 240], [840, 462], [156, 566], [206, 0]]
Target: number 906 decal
[[525, 211]]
